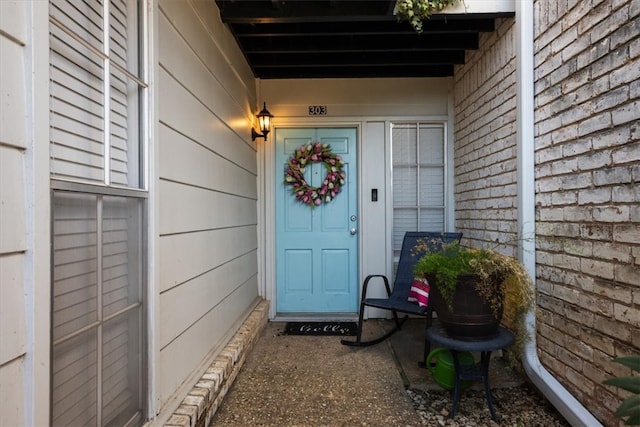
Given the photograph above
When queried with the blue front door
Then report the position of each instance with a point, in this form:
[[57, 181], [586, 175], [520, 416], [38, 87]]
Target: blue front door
[[316, 248]]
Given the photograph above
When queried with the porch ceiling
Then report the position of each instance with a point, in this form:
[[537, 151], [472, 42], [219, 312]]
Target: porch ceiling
[[348, 39]]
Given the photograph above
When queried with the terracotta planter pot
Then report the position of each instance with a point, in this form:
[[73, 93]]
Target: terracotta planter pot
[[470, 317]]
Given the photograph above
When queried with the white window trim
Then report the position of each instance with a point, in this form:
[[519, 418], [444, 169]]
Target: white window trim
[[40, 414]]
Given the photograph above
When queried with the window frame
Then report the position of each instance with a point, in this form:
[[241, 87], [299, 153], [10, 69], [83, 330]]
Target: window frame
[[106, 188], [445, 207]]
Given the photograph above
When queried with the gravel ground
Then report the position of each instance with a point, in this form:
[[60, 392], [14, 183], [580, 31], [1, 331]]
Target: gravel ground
[[514, 406]]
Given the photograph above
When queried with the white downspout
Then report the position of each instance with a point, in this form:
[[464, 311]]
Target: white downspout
[[572, 410]]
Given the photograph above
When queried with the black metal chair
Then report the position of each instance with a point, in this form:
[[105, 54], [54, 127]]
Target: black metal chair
[[397, 301]]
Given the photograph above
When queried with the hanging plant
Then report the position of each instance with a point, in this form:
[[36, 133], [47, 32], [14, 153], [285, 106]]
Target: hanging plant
[[416, 11], [332, 182]]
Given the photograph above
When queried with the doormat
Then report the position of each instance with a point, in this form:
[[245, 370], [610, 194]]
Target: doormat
[[321, 328]]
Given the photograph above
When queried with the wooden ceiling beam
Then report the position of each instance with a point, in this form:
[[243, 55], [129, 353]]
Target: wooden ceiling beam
[[232, 11], [356, 72], [366, 28], [357, 59], [329, 43]]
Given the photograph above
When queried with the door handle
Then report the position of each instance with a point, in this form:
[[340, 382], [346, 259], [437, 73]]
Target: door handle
[[353, 231]]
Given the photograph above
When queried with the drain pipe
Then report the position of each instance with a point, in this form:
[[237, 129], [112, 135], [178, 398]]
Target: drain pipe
[[572, 410]]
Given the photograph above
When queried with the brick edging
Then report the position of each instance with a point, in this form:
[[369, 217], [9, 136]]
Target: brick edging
[[202, 402]]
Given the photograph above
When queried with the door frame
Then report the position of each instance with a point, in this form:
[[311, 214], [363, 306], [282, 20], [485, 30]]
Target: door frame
[[267, 210]]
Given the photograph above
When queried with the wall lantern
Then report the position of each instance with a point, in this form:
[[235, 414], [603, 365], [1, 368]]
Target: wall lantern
[[264, 121]]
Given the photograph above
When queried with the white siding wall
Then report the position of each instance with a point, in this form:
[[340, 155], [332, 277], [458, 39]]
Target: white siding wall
[[23, 215], [13, 243], [206, 177]]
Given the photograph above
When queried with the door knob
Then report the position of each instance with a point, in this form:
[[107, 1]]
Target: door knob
[[353, 231]]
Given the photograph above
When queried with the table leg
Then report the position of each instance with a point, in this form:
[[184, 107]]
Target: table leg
[[485, 359], [456, 384]]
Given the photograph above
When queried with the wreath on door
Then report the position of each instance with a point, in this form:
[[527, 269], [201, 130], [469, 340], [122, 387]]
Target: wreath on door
[[332, 182]]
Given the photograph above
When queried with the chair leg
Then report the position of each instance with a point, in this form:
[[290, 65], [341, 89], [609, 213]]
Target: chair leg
[[398, 322], [427, 343], [359, 343]]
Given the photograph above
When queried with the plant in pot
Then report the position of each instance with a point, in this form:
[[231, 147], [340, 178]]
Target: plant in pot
[[474, 290]]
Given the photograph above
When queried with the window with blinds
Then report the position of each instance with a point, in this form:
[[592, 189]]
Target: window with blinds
[[97, 134], [418, 153], [96, 92]]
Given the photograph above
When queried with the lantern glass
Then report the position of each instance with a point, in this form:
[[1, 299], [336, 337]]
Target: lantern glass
[[265, 123]]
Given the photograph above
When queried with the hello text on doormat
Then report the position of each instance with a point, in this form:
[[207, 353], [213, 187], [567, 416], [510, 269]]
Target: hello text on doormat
[[321, 328]]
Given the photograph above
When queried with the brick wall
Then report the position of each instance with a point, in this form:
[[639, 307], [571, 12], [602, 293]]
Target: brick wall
[[485, 141], [587, 127], [587, 113]]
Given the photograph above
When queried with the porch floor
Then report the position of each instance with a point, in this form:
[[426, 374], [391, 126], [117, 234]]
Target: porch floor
[[316, 381]]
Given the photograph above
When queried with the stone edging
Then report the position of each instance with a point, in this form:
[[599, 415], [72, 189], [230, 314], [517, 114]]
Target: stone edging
[[205, 397]]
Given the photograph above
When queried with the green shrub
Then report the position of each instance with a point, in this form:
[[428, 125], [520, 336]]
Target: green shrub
[[630, 407]]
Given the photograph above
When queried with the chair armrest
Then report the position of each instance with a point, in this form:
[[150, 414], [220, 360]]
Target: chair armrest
[[365, 285]]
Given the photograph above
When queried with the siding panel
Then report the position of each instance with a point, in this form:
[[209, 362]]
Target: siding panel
[[199, 37], [183, 161], [190, 117], [185, 256], [216, 209], [201, 294], [199, 78], [189, 349], [226, 43], [12, 393], [13, 20], [12, 201], [12, 97], [12, 311]]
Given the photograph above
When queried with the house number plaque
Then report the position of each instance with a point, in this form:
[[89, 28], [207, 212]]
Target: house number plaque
[[317, 110]]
